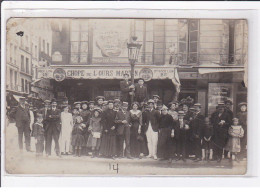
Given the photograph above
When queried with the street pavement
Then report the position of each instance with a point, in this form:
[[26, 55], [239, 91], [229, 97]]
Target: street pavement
[[27, 163]]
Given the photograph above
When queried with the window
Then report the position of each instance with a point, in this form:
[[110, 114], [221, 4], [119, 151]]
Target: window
[[11, 53], [35, 52], [22, 80], [193, 41], [15, 52], [26, 86], [139, 33], [27, 66], [79, 41], [11, 78], [26, 43], [43, 46], [231, 41], [182, 54], [48, 49], [22, 63], [15, 78], [149, 41]]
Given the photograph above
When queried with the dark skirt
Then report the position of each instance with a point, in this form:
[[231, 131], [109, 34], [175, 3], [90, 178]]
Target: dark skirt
[[137, 141], [165, 144], [108, 144], [77, 140]]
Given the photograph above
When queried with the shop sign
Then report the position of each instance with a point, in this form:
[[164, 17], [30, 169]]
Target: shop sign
[[60, 74]]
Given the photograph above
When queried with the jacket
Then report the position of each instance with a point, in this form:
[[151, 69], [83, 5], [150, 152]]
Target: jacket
[[140, 93], [124, 88], [153, 118], [53, 119], [22, 117], [120, 116], [197, 125]]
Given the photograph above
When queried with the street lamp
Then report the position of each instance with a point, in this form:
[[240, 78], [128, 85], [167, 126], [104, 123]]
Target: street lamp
[[133, 52]]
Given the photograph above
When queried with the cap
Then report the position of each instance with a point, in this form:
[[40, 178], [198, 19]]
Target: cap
[[116, 100], [105, 102], [192, 109], [221, 104], [54, 103], [141, 79], [228, 101], [164, 107], [156, 96], [242, 104], [125, 104], [110, 101], [98, 109], [91, 102], [235, 119], [76, 103], [100, 97], [47, 101], [84, 102], [181, 112], [150, 101], [197, 104]]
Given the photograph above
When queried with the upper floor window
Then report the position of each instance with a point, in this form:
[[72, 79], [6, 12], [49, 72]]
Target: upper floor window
[[11, 52], [15, 52], [48, 49], [27, 65], [22, 63], [43, 46], [193, 41], [79, 41]]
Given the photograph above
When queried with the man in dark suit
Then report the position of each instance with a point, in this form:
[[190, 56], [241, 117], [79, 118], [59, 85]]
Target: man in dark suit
[[126, 88], [43, 111], [53, 128], [221, 122], [22, 119], [123, 130], [140, 91], [151, 124], [197, 125]]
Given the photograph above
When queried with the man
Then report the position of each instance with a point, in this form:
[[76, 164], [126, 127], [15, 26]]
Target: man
[[197, 125], [53, 128], [86, 115], [140, 91], [221, 123], [126, 87], [151, 125], [22, 119], [228, 106], [123, 131], [78, 106], [156, 98], [100, 101]]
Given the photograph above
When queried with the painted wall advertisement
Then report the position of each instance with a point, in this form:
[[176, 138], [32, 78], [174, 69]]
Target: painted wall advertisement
[[110, 39], [218, 92]]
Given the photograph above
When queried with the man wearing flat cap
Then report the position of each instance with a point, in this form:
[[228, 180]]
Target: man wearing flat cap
[[100, 101], [156, 98], [140, 91], [53, 128], [126, 87], [221, 122], [22, 119], [123, 131]]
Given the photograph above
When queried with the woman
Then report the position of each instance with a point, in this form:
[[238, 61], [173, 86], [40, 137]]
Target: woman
[[66, 129], [166, 134], [172, 111], [108, 140], [136, 134], [242, 116]]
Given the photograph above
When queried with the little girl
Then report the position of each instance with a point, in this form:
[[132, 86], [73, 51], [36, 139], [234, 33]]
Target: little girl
[[78, 136], [95, 129], [235, 133]]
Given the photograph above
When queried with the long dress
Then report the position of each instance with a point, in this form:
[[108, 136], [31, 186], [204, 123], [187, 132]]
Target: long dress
[[108, 141], [66, 129], [242, 116], [137, 144]]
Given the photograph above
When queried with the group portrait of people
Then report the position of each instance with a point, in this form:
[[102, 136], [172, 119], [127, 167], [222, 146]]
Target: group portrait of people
[[134, 126]]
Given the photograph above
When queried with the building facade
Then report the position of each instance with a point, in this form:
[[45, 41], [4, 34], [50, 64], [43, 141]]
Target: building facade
[[90, 56]]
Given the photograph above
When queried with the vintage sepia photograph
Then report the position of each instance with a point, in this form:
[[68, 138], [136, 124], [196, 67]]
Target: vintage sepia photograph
[[126, 96]]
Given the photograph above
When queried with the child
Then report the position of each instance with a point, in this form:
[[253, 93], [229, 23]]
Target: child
[[38, 134], [207, 147], [78, 136], [75, 114], [235, 133], [95, 129]]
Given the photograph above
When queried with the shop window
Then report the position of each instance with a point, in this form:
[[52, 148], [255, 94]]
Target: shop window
[[79, 41], [22, 63], [193, 27]]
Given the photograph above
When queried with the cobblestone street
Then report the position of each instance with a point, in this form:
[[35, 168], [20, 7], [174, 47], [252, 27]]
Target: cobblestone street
[[19, 163]]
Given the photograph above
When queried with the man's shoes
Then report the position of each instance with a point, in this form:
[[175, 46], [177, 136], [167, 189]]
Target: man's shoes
[[149, 156], [155, 157], [197, 160]]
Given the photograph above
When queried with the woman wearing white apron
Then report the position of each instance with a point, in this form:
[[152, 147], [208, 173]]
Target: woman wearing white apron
[[66, 129]]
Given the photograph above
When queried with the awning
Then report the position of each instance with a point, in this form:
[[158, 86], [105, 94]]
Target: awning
[[203, 69]]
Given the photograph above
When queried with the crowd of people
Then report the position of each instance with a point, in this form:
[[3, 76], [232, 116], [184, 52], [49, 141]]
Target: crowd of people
[[117, 129]]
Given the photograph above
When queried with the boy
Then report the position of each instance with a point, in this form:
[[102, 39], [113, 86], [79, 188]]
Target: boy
[[180, 130], [207, 149], [38, 134]]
